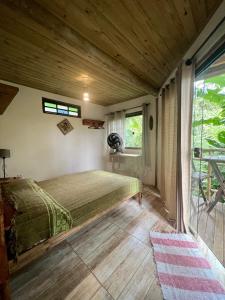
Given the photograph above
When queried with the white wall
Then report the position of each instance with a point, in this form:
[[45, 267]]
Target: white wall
[[150, 177], [38, 149]]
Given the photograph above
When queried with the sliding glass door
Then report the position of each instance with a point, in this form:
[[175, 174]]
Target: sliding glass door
[[207, 205]]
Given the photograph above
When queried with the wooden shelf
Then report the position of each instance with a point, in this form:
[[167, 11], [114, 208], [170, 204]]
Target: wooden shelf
[[7, 93], [93, 124]]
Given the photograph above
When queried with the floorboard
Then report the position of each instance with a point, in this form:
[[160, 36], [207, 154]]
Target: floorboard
[[138, 286], [210, 227], [110, 258]]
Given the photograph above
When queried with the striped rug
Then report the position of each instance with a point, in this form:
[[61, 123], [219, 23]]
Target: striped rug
[[182, 270]]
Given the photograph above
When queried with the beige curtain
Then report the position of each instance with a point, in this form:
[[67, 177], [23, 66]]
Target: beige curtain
[[115, 122], [169, 148], [146, 136], [185, 78], [159, 142], [175, 131]]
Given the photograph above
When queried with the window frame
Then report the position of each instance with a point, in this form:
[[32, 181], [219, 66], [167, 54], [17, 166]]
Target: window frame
[[56, 102], [129, 115]]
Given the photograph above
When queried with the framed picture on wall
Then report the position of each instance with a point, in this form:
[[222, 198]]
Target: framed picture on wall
[[65, 126]]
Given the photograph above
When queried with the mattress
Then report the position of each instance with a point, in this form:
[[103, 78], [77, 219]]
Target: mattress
[[89, 193]]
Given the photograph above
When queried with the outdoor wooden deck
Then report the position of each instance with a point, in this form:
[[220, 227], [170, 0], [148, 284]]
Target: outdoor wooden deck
[[210, 227]]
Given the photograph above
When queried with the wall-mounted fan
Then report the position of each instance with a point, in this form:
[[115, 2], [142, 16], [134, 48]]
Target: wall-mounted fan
[[115, 142]]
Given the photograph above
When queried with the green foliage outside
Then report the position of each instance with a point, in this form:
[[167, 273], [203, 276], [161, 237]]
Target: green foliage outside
[[208, 127], [209, 112], [133, 132]]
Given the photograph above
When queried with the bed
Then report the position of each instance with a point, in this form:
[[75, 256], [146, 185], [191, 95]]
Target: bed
[[43, 210]]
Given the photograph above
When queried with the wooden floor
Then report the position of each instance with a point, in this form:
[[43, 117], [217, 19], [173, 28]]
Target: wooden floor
[[109, 259], [210, 227]]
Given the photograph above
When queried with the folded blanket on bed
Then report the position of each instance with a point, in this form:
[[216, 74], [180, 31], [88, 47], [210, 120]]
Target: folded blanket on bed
[[37, 215]]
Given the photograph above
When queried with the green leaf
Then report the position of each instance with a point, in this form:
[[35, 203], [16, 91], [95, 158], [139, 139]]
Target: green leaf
[[222, 113], [214, 97], [221, 137], [217, 121], [214, 143], [218, 80]]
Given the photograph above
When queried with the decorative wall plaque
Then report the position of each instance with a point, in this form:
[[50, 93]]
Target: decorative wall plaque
[[65, 126]]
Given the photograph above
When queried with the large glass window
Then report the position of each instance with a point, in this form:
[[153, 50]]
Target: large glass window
[[133, 130], [207, 206]]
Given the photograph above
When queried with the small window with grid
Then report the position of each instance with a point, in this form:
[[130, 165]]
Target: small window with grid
[[61, 108]]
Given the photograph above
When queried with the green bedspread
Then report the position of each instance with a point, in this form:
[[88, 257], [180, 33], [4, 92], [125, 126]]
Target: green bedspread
[[52, 206], [89, 193], [38, 216]]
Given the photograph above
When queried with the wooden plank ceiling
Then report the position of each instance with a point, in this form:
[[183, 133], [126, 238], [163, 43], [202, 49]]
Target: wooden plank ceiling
[[119, 49]]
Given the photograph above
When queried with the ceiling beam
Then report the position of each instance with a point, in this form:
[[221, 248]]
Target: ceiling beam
[[40, 20]]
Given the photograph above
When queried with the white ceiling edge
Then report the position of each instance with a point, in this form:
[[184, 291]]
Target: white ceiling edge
[[130, 104]]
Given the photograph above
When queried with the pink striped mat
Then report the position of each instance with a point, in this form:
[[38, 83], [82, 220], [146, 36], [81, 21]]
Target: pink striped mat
[[182, 270]]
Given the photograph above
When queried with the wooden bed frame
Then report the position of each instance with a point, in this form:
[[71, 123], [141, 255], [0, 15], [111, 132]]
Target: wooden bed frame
[[10, 267]]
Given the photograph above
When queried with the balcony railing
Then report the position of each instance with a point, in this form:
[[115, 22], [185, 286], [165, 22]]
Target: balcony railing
[[207, 219]]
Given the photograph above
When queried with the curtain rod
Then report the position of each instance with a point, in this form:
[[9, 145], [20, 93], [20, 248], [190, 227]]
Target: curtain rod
[[189, 60], [126, 109]]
